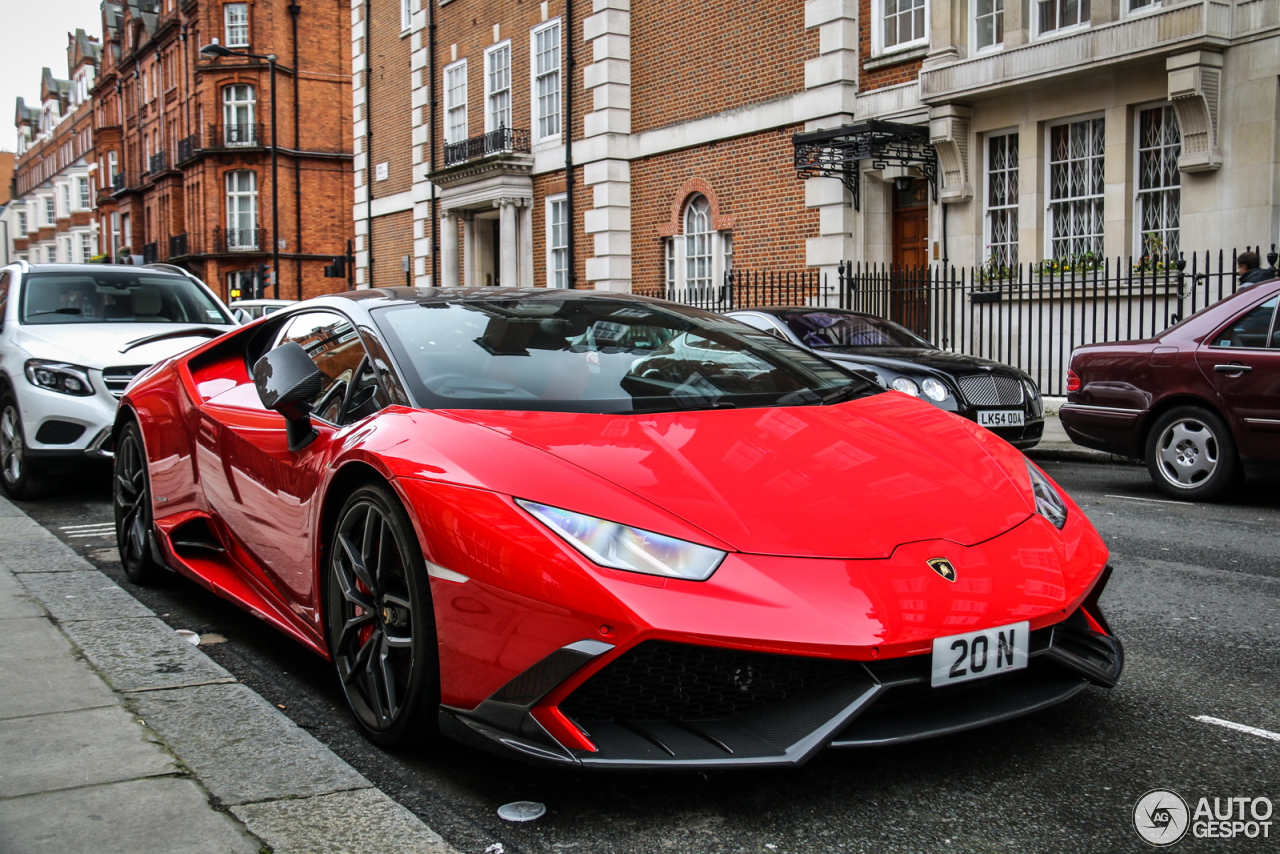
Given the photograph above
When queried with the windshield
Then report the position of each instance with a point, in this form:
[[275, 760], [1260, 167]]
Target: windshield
[[837, 329], [600, 355], [116, 296]]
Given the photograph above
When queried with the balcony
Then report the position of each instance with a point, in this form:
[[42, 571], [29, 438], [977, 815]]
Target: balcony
[[158, 162], [1179, 27], [234, 136], [118, 182], [237, 239], [150, 253], [501, 141], [188, 148], [124, 183], [177, 246]]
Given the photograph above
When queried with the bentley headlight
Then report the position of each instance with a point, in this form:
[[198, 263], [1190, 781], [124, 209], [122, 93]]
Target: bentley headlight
[[934, 390], [626, 548], [906, 386], [1049, 503], [59, 377]]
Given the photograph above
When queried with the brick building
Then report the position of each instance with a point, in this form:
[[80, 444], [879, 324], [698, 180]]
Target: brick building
[[51, 215], [926, 129], [185, 137]]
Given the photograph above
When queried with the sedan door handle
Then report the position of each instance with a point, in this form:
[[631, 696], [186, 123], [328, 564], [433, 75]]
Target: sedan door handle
[[1233, 369]]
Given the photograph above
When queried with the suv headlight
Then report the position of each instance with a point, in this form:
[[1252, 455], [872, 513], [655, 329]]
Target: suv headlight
[[1049, 503], [59, 377], [630, 549]]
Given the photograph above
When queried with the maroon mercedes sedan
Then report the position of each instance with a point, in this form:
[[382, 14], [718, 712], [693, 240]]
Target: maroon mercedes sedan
[[1200, 402]]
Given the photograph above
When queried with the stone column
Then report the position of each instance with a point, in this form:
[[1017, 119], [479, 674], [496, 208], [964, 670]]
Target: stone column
[[526, 246], [508, 258], [470, 252], [449, 249], [605, 131]]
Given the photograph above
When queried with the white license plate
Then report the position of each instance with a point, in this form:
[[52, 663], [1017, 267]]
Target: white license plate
[[974, 655], [1000, 417]]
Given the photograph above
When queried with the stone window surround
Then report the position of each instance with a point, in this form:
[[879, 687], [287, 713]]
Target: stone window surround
[[985, 154], [1047, 165]]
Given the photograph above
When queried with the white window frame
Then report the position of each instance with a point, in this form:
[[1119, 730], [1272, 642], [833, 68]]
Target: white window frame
[[987, 230], [50, 210], [235, 209], [21, 223], [230, 105], [535, 99], [1048, 179], [406, 15], [878, 47], [64, 199], [552, 246], [86, 194], [65, 250], [1127, 10], [231, 27], [113, 162], [115, 237], [455, 131], [973, 27], [1138, 234], [1038, 33], [85, 248], [675, 253], [490, 120]]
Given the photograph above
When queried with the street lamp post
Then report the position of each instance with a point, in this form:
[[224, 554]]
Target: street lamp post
[[216, 50]]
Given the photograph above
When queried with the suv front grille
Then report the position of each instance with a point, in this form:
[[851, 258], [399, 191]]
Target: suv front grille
[[662, 681], [117, 379], [988, 390]]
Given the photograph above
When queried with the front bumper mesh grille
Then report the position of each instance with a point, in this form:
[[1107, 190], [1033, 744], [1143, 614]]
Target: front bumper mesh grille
[[989, 390], [662, 681]]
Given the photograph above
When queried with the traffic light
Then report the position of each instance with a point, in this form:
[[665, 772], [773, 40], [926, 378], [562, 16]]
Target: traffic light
[[234, 293], [336, 270], [260, 281]]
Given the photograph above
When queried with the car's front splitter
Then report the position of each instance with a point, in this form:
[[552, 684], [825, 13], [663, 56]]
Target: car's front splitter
[[635, 717]]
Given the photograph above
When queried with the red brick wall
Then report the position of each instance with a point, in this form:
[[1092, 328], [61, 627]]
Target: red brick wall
[[388, 100], [692, 59], [753, 187], [392, 239], [900, 72]]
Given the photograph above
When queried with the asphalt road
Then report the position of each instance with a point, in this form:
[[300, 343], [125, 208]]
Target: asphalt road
[[1195, 597]]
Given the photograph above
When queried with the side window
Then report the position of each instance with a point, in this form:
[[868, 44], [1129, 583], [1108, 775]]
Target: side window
[[349, 386], [1250, 330]]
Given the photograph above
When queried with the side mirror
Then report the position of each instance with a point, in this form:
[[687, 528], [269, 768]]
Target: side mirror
[[241, 316], [287, 380]]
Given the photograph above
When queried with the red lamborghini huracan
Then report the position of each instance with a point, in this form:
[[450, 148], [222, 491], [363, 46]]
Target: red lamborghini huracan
[[603, 530]]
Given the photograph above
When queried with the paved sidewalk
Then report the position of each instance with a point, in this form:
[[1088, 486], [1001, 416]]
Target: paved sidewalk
[[118, 736], [1057, 446]]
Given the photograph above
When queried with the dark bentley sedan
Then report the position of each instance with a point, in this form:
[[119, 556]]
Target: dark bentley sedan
[[1199, 401], [999, 397]]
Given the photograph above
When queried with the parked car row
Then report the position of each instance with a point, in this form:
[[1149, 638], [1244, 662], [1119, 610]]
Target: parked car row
[[590, 529]]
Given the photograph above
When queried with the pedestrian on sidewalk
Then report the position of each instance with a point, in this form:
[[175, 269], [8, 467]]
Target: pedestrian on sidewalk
[[1250, 269]]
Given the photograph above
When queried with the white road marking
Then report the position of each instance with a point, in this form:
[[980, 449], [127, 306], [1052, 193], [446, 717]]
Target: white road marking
[[1152, 500], [87, 527], [1251, 730]]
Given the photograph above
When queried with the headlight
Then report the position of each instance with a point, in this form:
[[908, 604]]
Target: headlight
[[59, 377], [906, 386], [630, 549], [1032, 391], [1049, 503], [934, 390]]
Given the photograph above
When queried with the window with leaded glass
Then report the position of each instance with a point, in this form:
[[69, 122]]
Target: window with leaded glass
[[546, 79], [557, 242], [988, 21], [455, 102], [1002, 200], [1076, 183], [697, 244], [497, 87], [904, 22], [1159, 183], [1060, 14]]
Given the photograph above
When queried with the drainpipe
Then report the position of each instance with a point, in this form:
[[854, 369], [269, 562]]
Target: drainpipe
[[568, 141], [294, 9], [186, 73], [368, 142], [434, 234]]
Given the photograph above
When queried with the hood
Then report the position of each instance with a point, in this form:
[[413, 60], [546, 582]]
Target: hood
[[97, 345], [952, 364], [851, 481]]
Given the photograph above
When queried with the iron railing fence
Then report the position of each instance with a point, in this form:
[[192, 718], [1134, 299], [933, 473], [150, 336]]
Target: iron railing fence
[[1030, 316], [237, 239], [502, 140], [188, 147], [158, 162], [177, 246], [234, 135], [150, 253]]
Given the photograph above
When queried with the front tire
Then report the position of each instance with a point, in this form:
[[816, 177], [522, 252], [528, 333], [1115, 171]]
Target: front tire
[[382, 634], [1191, 453], [131, 490], [20, 478]]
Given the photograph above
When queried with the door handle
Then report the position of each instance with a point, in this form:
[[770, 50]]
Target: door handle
[[1233, 369]]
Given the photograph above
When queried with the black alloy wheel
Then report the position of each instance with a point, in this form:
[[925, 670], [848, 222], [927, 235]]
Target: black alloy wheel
[[20, 478], [132, 492], [381, 625]]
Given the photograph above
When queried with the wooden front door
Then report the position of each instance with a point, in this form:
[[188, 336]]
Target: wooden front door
[[909, 305]]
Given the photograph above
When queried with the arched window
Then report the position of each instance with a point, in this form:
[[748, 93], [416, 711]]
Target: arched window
[[698, 258], [238, 108], [242, 210]]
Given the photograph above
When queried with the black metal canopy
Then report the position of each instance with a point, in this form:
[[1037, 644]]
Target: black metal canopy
[[835, 153]]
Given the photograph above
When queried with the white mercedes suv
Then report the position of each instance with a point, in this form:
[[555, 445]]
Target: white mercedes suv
[[72, 337]]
